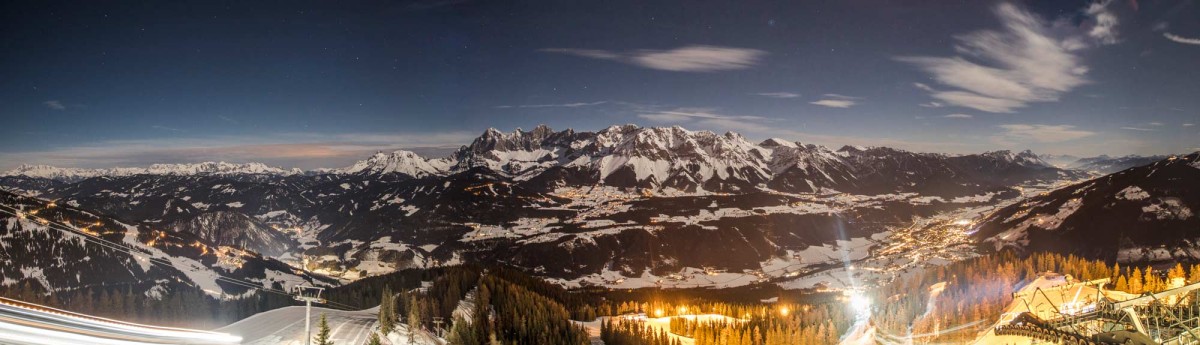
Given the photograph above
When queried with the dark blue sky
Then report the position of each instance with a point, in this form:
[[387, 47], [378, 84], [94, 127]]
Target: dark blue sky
[[322, 84]]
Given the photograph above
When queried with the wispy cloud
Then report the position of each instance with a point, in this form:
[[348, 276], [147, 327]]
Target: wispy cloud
[[228, 119], [1189, 124], [1181, 39], [54, 104], [779, 94], [694, 58], [165, 128], [834, 103], [958, 116], [1013, 134], [1155, 123], [833, 100], [561, 105], [1141, 129], [680, 115], [1001, 71], [1104, 22]]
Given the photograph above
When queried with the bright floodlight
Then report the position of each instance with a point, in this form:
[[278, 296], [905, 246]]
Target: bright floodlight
[[962, 222], [860, 303]]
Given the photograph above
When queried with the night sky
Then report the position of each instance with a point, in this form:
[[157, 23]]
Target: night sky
[[322, 84]]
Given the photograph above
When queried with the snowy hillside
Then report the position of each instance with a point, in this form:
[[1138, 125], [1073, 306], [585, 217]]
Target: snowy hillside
[[61, 247], [1143, 213]]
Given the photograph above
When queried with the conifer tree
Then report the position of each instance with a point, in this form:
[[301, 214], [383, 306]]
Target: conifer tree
[[387, 316], [414, 318], [322, 337], [1135, 281], [1150, 281]]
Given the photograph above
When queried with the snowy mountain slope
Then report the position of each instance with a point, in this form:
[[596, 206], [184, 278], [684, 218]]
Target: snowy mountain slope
[[234, 229], [402, 162], [1142, 213], [285, 326], [35, 247], [29, 185], [1108, 165]]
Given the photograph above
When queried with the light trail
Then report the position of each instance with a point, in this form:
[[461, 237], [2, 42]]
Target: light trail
[[26, 323]]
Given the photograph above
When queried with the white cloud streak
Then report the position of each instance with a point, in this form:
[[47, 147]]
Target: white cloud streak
[[54, 104], [680, 115], [562, 105], [958, 116], [1001, 71], [833, 100], [834, 103], [694, 58], [1180, 39], [779, 94]]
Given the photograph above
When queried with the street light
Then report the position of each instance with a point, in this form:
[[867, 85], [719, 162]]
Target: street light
[[308, 294]]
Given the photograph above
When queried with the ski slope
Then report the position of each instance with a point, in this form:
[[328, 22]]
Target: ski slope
[[285, 326]]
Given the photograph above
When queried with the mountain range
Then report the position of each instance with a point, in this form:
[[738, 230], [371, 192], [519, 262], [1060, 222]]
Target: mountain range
[[624, 205]]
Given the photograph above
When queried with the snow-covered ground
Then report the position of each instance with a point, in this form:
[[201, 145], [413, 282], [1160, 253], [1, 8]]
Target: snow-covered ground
[[285, 326]]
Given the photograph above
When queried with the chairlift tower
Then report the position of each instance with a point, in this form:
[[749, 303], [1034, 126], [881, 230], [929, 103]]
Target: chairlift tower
[[437, 324], [308, 295]]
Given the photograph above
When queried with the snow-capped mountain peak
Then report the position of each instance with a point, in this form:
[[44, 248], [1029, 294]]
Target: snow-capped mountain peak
[[678, 158], [216, 168], [401, 161], [1026, 158]]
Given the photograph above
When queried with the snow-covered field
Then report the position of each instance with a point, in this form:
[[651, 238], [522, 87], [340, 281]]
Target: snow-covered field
[[285, 326]]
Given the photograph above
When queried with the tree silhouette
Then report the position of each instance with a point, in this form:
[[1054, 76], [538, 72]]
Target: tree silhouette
[[322, 337]]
